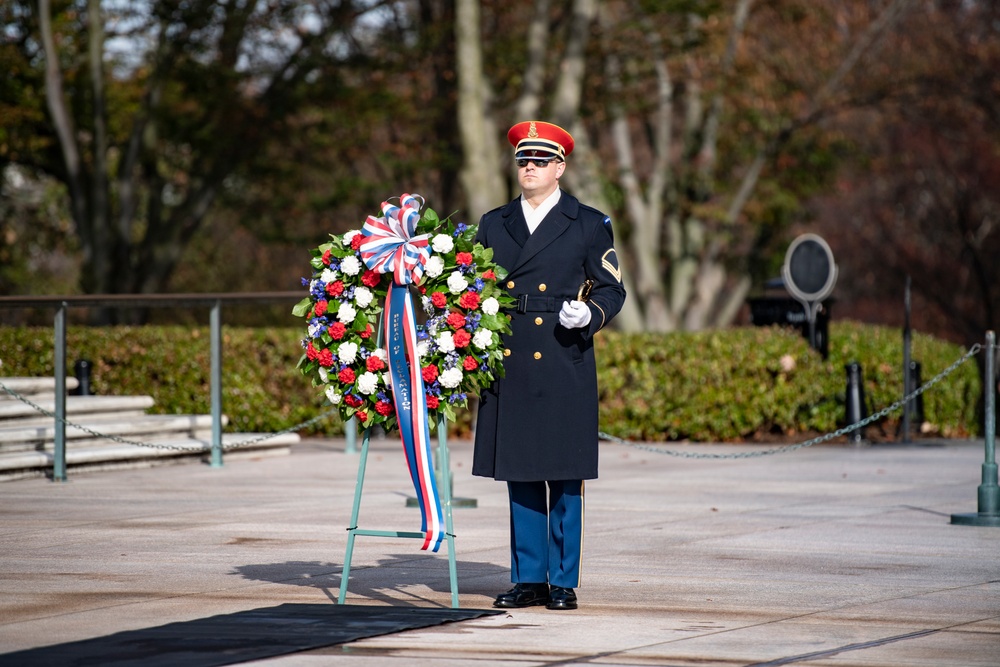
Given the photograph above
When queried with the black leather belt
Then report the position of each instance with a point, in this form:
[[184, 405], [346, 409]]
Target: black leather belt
[[540, 304]]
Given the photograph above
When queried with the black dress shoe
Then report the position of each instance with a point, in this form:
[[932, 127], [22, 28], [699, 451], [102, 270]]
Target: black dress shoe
[[523, 595], [561, 598]]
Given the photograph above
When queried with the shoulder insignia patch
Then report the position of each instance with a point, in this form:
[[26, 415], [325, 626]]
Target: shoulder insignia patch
[[610, 262], [607, 219]]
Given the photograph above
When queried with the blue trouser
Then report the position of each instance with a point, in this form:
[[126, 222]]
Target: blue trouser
[[546, 533]]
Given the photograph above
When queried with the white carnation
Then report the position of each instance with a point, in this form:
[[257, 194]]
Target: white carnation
[[328, 275], [349, 236], [346, 313], [387, 380], [347, 352], [482, 338], [490, 306], [445, 342], [457, 283], [363, 296], [423, 348], [381, 354], [442, 243], [434, 266], [451, 378], [315, 328], [350, 265], [331, 393], [367, 383], [324, 375]]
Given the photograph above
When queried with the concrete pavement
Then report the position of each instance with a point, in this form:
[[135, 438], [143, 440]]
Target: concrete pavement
[[830, 555]]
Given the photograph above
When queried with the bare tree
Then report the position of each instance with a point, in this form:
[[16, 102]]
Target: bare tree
[[650, 96]]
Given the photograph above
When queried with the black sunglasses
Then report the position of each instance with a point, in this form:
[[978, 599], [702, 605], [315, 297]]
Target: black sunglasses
[[538, 162]]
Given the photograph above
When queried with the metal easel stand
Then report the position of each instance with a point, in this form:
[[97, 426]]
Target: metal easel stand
[[444, 488]]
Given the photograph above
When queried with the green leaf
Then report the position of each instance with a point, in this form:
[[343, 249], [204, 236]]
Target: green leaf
[[302, 307]]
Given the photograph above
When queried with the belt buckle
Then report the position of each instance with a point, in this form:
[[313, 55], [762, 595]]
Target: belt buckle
[[522, 304]]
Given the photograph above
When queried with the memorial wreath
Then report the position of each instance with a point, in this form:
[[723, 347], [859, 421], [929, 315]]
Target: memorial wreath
[[458, 343]]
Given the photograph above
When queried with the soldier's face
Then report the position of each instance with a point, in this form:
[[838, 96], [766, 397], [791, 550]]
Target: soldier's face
[[535, 179]]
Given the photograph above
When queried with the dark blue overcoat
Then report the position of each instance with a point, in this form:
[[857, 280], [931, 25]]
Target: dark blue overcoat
[[540, 421]]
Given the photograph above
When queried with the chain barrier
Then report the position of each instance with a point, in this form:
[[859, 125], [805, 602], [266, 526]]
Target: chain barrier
[[154, 445], [808, 443], [975, 349]]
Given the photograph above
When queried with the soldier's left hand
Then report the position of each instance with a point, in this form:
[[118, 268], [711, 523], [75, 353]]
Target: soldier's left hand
[[574, 314]]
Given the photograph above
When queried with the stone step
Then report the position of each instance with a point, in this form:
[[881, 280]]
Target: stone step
[[80, 456], [32, 386], [27, 436], [32, 434], [76, 405]]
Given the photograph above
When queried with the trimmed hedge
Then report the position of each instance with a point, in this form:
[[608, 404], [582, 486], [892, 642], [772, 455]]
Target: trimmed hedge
[[729, 385]]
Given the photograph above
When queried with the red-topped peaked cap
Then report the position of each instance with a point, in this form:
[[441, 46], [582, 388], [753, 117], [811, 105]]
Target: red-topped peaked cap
[[541, 138]]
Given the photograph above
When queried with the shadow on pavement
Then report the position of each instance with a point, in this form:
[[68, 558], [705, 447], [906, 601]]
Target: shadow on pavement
[[234, 638], [390, 581]]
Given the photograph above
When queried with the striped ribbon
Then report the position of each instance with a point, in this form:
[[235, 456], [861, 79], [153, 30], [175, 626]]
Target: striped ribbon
[[391, 247]]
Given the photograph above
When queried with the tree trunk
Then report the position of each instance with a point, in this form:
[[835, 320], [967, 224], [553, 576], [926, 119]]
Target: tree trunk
[[481, 177]]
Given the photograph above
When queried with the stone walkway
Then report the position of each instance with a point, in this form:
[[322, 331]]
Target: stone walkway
[[827, 556]]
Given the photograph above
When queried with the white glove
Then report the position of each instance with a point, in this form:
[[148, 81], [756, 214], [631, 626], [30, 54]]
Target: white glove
[[574, 314]]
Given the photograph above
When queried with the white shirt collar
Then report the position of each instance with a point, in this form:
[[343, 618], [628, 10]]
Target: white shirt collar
[[534, 216]]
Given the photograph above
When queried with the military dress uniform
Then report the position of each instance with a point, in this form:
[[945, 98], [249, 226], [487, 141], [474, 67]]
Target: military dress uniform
[[537, 427]]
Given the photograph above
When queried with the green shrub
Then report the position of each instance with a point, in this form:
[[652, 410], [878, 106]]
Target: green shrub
[[729, 385], [753, 383]]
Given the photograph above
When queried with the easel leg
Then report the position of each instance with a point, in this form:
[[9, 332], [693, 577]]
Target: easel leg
[[444, 466], [362, 461]]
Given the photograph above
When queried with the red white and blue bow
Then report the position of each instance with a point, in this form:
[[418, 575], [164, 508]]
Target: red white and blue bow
[[390, 246]]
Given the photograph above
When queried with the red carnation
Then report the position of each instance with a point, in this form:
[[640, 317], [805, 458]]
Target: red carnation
[[370, 278], [362, 415], [463, 258], [469, 300], [346, 376], [489, 275], [470, 363], [357, 241], [337, 330], [326, 256], [312, 354], [374, 363], [336, 288], [432, 402], [352, 402], [429, 373], [462, 338], [326, 358], [367, 333], [321, 307], [439, 299], [384, 408], [456, 320]]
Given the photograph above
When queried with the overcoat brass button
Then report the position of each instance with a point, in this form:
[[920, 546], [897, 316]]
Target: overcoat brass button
[[541, 288], [538, 320], [510, 284], [506, 353], [538, 355]]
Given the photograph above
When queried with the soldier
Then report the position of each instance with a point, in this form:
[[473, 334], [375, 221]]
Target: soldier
[[537, 428]]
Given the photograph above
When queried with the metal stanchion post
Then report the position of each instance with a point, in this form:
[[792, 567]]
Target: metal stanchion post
[[989, 491], [854, 404], [215, 334], [59, 451]]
